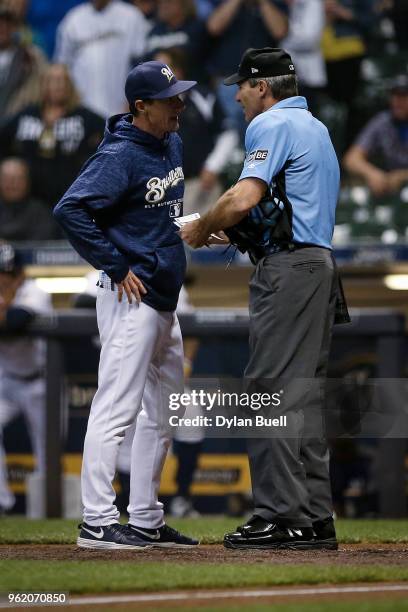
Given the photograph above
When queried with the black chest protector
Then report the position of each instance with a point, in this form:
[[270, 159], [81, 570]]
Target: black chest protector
[[267, 225]]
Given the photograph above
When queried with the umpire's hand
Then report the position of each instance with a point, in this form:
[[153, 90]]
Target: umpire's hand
[[195, 233], [132, 286]]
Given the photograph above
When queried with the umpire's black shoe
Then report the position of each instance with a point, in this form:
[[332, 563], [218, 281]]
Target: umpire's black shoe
[[113, 536], [163, 537], [325, 534], [260, 533]]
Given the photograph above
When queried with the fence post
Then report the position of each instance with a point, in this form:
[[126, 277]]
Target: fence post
[[53, 481]]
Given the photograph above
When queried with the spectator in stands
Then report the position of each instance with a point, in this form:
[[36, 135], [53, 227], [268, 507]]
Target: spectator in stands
[[22, 362], [44, 17], [178, 26], [239, 24], [19, 10], [17, 7], [235, 25], [344, 46], [399, 16], [21, 216], [21, 68], [148, 8], [305, 28], [97, 41], [380, 154], [207, 136], [54, 137]]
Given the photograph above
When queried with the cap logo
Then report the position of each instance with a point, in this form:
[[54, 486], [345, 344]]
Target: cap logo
[[291, 67], [167, 73], [254, 70]]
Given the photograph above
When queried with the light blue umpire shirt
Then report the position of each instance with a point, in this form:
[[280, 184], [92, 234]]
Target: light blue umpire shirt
[[287, 138]]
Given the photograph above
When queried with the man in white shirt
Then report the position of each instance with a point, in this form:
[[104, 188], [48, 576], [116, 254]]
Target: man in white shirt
[[97, 41], [303, 42]]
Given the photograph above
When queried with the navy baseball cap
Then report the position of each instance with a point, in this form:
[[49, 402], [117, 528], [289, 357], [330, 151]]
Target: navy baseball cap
[[154, 81], [265, 62]]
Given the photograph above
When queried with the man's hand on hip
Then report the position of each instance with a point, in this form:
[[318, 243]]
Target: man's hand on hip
[[132, 286]]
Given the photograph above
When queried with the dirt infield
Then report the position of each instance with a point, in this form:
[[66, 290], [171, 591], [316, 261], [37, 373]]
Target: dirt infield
[[348, 554]]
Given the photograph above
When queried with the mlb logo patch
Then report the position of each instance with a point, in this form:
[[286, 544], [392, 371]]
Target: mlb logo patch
[[175, 209], [257, 156], [260, 155]]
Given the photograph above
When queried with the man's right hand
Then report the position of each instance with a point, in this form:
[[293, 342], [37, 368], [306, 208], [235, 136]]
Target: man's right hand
[[132, 286]]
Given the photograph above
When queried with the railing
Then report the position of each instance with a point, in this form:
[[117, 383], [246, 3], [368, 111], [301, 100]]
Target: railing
[[385, 326]]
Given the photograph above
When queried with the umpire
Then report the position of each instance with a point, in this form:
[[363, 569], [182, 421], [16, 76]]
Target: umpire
[[282, 211]]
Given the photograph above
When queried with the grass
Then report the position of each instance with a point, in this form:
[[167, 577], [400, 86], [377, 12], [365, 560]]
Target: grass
[[120, 576], [19, 530], [87, 576]]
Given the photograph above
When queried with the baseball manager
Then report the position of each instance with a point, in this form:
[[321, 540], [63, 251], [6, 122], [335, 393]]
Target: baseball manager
[[118, 214], [282, 211]]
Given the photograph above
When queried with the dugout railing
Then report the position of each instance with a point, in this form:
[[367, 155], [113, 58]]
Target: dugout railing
[[385, 327]]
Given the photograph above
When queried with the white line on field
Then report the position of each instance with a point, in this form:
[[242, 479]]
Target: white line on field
[[234, 593]]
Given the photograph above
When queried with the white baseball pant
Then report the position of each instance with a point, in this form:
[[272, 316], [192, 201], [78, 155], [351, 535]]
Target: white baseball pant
[[28, 398], [141, 363]]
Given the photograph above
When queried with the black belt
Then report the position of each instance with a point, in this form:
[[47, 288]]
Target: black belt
[[290, 246], [257, 252]]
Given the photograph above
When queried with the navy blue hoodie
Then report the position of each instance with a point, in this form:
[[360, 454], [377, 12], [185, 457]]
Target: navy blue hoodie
[[118, 214]]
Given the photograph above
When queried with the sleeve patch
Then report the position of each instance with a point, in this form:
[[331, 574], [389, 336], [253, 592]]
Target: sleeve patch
[[256, 157]]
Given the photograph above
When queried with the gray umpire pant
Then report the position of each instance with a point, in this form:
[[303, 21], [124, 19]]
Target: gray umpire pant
[[292, 305]]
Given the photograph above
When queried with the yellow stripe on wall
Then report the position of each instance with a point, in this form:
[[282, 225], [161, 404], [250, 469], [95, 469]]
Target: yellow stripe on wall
[[216, 474]]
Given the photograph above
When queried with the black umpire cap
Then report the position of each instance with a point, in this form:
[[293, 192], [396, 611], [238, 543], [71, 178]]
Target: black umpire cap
[[265, 62], [10, 260]]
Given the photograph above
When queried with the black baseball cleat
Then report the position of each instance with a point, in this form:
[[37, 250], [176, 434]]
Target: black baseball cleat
[[115, 536], [259, 533], [163, 537], [325, 534]]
